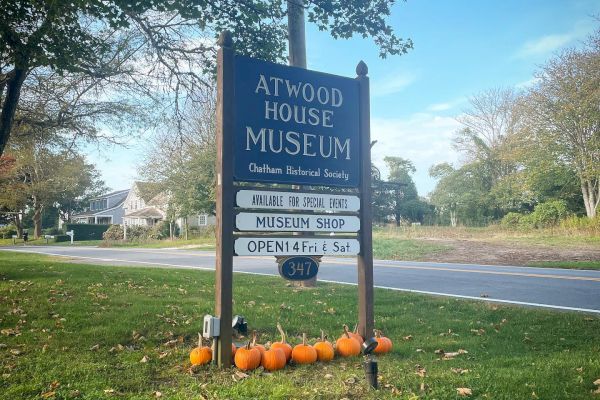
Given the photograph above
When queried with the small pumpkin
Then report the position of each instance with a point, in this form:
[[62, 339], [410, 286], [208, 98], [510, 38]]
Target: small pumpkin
[[347, 346], [356, 335], [283, 345], [304, 353], [384, 344], [260, 347], [324, 349], [201, 355], [273, 359], [247, 358]]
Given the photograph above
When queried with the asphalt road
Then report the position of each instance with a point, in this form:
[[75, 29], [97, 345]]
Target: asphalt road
[[575, 290]]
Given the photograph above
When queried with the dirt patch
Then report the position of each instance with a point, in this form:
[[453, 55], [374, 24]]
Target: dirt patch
[[482, 252]]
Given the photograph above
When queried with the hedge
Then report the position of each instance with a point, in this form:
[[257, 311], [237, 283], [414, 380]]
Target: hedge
[[62, 238], [87, 231]]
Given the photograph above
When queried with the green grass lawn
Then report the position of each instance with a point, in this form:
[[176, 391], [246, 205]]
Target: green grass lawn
[[568, 264], [72, 331], [389, 248]]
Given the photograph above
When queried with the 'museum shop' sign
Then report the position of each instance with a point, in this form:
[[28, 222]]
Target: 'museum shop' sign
[[295, 126]]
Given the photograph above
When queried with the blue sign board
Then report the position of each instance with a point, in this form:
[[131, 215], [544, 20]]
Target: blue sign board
[[298, 268], [295, 126]]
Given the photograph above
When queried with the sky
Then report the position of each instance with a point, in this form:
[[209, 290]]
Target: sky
[[461, 48]]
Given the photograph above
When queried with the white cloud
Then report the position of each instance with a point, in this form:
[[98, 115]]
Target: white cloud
[[527, 84], [423, 138], [547, 44], [392, 84], [446, 105]]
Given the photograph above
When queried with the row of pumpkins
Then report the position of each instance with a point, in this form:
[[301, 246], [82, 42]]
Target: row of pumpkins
[[253, 355]]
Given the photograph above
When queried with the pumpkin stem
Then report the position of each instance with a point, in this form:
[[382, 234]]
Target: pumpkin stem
[[304, 339], [280, 329], [254, 335], [355, 329], [323, 337], [346, 330], [199, 340], [248, 345]]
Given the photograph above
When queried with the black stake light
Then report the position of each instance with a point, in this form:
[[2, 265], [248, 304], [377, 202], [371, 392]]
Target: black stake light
[[370, 362]]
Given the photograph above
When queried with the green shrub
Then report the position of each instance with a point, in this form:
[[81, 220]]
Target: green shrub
[[137, 232], [549, 214], [511, 220], [62, 238], [159, 230], [87, 231], [115, 232], [7, 232]]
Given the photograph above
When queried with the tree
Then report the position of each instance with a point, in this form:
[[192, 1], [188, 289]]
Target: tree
[[43, 177], [563, 115], [156, 44], [184, 169], [405, 195], [13, 197]]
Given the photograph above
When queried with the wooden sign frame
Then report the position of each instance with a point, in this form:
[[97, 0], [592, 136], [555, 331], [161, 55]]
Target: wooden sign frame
[[225, 211]]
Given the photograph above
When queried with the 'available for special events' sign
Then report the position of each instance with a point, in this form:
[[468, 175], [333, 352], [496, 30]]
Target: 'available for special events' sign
[[295, 126]]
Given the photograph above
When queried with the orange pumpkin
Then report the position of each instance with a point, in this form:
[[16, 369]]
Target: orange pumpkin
[[347, 346], [273, 359], [384, 344], [357, 336], [304, 353], [324, 349], [260, 347], [283, 345], [200, 355], [247, 358]]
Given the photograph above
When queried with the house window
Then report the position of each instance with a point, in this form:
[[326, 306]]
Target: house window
[[203, 220]]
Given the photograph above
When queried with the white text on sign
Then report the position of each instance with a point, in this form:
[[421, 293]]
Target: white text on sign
[[297, 201], [296, 223], [297, 246]]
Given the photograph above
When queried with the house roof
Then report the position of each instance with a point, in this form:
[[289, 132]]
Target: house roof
[[146, 212], [111, 194], [147, 190], [99, 212]]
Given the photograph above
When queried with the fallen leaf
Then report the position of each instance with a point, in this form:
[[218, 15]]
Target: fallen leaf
[[597, 382], [328, 376], [421, 371], [420, 351], [163, 355], [409, 337], [464, 391], [157, 394], [241, 375], [48, 395], [351, 380], [109, 391], [95, 347], [144, 359], [459, 371]]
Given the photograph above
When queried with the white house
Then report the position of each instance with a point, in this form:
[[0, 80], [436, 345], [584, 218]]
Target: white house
[[146, 205], [107, 209]]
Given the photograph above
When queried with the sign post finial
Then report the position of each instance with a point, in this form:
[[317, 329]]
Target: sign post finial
[[362, 69], [225, 39]]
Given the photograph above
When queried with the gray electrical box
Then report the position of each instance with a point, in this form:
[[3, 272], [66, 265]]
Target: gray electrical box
[[211, 327]]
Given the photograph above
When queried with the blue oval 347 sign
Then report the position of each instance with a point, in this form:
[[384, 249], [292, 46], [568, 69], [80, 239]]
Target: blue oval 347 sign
[[295, 126], [298, 268]]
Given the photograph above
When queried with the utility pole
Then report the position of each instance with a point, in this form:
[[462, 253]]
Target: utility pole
[[296, 35], [297, 58]]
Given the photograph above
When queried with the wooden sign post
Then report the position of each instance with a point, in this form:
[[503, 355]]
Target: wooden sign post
[[287, 125]]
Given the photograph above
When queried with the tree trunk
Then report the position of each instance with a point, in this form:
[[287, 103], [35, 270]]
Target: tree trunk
[[171, 229], [185, 221], [590, 197], [37, 218], [453, 218], [18, 221], [9, 107]]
